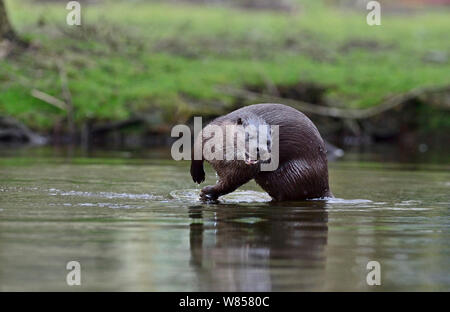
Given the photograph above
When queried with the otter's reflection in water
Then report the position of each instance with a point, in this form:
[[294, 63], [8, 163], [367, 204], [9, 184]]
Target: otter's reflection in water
[[272, 247]]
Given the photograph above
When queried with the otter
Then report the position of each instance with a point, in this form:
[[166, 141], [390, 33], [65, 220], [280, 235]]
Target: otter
[[302, 171]]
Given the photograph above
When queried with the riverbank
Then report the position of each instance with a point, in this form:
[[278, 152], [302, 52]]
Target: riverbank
[[160, 64]]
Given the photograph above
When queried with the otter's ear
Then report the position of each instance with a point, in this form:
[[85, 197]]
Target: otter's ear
[[239, 121]]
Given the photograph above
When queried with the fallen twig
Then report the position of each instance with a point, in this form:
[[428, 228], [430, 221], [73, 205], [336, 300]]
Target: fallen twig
[[50, 99], [343, 113]]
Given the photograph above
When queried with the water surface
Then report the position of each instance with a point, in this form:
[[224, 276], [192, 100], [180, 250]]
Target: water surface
[[137, 225]]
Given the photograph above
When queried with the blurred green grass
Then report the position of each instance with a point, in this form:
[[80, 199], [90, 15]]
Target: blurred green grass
[[165, 61]]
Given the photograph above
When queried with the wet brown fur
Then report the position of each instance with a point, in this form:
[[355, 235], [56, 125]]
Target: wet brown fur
[[302, 172]]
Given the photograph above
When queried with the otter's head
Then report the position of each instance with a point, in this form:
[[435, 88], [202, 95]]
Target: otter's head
[[258, 140]]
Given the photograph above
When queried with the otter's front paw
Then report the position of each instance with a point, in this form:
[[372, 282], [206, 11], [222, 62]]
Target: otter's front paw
[[208, 193]]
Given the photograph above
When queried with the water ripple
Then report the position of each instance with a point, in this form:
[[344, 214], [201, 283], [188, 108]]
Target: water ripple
[[244, 196], [109, 195]]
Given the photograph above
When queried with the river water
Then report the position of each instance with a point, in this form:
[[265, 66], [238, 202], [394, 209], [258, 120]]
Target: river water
[[137, 225]]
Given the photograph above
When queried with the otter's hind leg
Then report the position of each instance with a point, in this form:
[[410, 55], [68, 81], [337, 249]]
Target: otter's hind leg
[[295, 180]]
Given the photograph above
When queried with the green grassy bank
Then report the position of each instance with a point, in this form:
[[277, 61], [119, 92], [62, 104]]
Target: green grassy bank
[[164, 61]]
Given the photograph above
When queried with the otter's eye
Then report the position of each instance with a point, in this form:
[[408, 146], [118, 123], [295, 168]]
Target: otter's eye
[[239, 121]]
